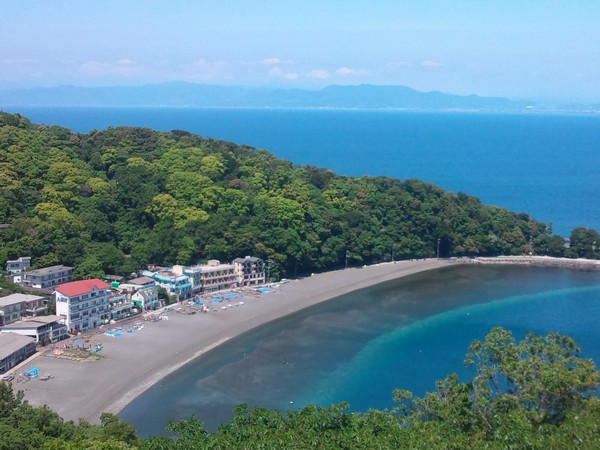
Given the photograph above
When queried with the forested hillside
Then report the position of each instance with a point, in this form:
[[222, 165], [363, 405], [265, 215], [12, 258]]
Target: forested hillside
[[115, 200]]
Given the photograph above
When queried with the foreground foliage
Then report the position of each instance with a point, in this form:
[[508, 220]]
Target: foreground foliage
[[535, 394], [115, 200]]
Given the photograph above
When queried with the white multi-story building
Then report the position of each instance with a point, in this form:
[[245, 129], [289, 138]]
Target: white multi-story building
[[16, 267], [142, 292], [146, 298], [249, 271], [16, 306], [47, 277], [83, 304], [45, 328]]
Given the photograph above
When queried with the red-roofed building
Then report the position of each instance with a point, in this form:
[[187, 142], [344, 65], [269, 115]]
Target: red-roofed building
[[83, 304]]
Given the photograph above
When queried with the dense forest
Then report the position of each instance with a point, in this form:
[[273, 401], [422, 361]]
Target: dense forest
[[113, 201], [536, 394]]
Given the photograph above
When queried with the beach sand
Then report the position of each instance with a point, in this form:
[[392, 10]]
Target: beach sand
[[133, 362]]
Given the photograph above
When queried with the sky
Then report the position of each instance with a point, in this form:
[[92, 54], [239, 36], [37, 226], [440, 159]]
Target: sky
[[543, 49]]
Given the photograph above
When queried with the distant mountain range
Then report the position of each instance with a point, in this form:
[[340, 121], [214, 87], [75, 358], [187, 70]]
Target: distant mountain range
[[180, 94]]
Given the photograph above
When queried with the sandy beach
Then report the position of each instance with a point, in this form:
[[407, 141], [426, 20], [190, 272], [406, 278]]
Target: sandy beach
[[131, 363], [136, 360]]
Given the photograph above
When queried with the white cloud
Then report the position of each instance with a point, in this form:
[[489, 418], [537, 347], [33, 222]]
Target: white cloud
[[202, 69], [276, 72], [319, 74], [350, 72], [431, 63], [399, 64], [275, 62], [314, 74], [123, 67]]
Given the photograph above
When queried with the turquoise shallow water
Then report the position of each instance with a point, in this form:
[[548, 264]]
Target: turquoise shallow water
[[358, 348]]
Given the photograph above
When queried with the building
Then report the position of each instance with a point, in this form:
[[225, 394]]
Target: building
[[16, 267], [215, 276], [120, 306], [249, 271], [83, 304], [47, 277], [48, 329], [193, 272], [14, 349], [142, 282], [146, 298], [175, 283], [16, 306], [142, 292]]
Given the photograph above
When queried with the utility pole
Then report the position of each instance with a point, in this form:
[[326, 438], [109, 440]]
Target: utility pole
[[269, 270], [438, 248], [346, 259]]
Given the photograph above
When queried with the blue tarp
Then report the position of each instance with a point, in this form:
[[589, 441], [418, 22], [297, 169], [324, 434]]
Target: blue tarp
[[32, 373]]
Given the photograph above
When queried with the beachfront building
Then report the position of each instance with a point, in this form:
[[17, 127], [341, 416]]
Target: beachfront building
[[14, 349], [142, 292], [83, 304], [120, 306], [193, 272], [249, 271], [146, 299], [178, 284], [47, 277], [215, 276], [140, 282], [16, 267], [46, 329], [16, 306]]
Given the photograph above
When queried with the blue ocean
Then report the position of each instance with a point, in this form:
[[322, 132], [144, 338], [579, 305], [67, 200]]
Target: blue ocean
[[544, 165], [409, 332]]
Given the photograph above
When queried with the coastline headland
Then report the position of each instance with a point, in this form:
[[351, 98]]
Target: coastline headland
[[137, 357]]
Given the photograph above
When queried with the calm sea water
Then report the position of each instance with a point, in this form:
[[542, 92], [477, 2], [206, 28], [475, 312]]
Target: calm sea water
[[544, 165], [360, 347]]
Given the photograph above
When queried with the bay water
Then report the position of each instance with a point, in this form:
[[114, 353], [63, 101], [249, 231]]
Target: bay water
[[358, 348]]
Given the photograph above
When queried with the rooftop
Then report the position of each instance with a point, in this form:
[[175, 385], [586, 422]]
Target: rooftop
[[12, 342], [13, 299], [169, 276], [146, 293], [74, 288], [47, 271], [141, 280], [247, 258], [33, 322], [20, 259]]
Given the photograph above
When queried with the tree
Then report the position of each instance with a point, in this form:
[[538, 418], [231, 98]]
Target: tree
[[538, 381]]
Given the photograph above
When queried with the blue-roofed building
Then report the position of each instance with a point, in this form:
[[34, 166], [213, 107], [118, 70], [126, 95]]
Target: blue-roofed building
[[178, 284]]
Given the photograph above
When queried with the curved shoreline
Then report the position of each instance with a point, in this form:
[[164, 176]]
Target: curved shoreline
[[135, 361]]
